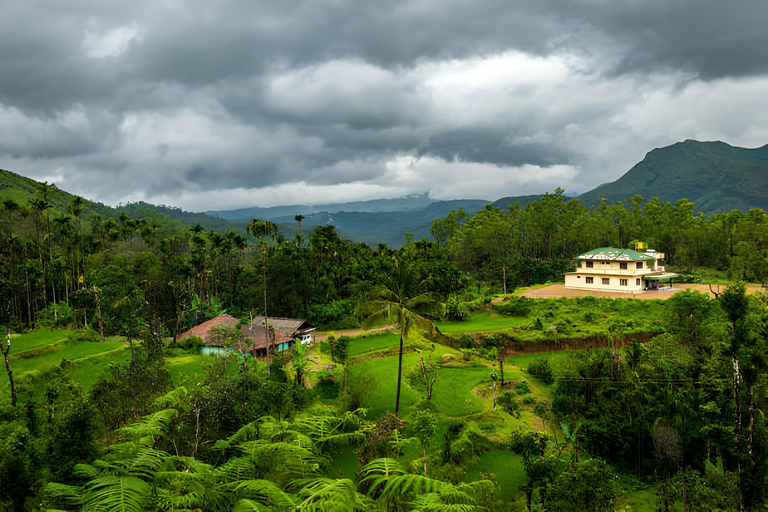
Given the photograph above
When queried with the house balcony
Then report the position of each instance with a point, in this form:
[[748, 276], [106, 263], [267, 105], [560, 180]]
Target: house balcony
[[630, 272]]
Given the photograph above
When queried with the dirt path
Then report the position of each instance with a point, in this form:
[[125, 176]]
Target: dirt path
[[559, 290], [322, 336]]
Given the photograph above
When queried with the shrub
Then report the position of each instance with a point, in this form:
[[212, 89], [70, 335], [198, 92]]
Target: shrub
[[508, 402], [83, 335], [466, 340], [522, 388], [455, 310], [529, 400], [340, 348], [542, 369], [56, 316], [193, 343], [515, 306]]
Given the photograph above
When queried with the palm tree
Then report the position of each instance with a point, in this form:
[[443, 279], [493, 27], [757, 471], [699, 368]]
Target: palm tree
[[261, 229], [76, 207], [401, 301], [298, 218]]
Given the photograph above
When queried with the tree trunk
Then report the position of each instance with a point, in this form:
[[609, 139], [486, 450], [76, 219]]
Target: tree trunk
[[750, 426], [5, 351], [504, 277], [494, 396], [501, 369], [266, 320], [98, 314], [425, 461], [399, 368]]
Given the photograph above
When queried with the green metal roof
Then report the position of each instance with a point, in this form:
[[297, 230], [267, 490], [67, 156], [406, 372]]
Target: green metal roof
[[612, 253]]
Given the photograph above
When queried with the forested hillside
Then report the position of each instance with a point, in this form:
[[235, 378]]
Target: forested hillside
[[714, 175]]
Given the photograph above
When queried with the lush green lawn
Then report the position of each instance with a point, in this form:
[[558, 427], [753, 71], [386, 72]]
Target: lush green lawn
[[373, 343], [508, 469], [35, 339], [35, 353], [79, 353], [188, 368], [380, 378], [453, 393], [482, 321]]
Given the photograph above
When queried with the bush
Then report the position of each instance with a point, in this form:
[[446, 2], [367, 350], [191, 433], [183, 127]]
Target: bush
[[508, 402], [340, 348], [466, 340], [542, 369], [529, 400], [192, 343], [522, 388], [55, 316], [590, 485], [454, 310], [515, 306], [83, 335]]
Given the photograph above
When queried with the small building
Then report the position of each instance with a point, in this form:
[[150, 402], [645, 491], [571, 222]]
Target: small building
[[285, 331], [618, 270], [203, 330]]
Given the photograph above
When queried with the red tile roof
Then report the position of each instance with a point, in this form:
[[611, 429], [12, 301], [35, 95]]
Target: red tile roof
[[203, 330]]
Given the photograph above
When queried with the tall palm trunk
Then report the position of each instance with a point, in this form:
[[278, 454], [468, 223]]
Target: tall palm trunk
[[400, 362], [266, 319], [7, 364]]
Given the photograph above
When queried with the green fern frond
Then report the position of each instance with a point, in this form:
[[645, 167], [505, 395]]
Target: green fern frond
[[118, 494], [69, 496], [266, 492], [250, 506]]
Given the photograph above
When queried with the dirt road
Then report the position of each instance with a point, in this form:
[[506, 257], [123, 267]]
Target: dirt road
[[559, 290]]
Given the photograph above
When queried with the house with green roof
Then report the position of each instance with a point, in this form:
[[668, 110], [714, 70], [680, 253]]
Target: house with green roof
[[618, 270]]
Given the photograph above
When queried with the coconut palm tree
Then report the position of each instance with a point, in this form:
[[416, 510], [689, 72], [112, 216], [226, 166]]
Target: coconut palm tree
[[403, 302], [76, 207]]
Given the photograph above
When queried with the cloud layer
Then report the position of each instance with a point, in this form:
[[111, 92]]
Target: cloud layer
[[239, 103]]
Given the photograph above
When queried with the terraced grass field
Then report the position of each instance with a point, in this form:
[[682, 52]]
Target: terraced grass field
[[482, 321]]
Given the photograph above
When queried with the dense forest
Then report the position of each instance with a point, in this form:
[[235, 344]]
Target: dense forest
[[683, 412]]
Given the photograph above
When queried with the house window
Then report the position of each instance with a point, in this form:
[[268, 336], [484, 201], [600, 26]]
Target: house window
[[623, 282], [589, 264], [637, 282], [590, 280], [639, 264], [606, 280], [623, 266]]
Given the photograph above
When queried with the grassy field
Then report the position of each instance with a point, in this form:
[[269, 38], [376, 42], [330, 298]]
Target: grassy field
[[508, 469], [482, 321], [361, 345], [88, 359]]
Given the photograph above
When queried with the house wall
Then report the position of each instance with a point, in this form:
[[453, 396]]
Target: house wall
[[579, 280]]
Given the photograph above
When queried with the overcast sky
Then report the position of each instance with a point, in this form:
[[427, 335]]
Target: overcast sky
[[226, 104]]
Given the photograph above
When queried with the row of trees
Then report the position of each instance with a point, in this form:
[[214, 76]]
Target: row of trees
[[115, 273], [495, 242]]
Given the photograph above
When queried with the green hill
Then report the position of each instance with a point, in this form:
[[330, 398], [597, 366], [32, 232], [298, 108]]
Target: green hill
[[714, 175], [172, 220]]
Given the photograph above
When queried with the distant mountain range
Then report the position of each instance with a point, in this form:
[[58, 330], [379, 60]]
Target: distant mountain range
[[714, 175]]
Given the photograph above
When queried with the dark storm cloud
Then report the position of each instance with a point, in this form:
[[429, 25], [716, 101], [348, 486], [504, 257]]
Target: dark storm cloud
[[192, 97]]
